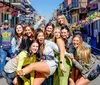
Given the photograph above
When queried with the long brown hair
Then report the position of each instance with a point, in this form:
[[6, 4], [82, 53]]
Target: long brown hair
[[41, 46], [80, 38], [30, 54], [82, 50], [32, 29], [51, 35], [84, 53], [16, 34]]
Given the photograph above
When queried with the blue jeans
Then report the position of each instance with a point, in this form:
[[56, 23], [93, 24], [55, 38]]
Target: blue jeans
[[3, 55], [9, 77]]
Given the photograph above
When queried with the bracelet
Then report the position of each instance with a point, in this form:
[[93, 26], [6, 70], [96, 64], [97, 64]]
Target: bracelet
[[21, 72]]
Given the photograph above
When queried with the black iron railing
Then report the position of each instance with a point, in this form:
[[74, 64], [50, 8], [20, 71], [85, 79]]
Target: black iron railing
[[95, 50]]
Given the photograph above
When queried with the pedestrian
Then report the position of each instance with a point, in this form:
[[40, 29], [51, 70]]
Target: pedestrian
[[6, 35]]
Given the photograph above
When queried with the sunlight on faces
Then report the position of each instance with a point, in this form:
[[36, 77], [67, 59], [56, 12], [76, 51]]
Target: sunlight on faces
[[57, 32], [64, 33], [60, 19], [19, 29], [28, 31], [40, 37], [76, 41], [49, 30], [34, 47]]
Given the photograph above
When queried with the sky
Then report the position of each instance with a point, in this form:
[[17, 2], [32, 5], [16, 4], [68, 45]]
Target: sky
[[46, 7]]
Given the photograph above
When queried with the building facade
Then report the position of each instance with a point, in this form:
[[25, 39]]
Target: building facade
[[15, 11], [77, 10], [94, 28]]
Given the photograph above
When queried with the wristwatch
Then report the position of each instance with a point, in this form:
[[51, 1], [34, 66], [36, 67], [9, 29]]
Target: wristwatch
[[61, 62]]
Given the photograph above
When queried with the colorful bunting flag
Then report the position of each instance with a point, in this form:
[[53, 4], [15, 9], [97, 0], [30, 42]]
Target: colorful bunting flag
[[88, 20]]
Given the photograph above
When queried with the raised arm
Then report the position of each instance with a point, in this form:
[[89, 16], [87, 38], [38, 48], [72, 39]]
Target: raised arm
[[38, 23]]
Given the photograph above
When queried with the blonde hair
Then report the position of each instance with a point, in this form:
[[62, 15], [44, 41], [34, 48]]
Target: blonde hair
[[56, 28], [84, 53], [55, 37], [64, 18], [82, 50], [80, 38]]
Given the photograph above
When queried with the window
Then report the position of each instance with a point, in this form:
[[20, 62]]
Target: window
[[99, 25], [2, 16], [74, 3], [75, 18], [6, 16], [89, 0], [95, 27], [14, 1], [10, 1]]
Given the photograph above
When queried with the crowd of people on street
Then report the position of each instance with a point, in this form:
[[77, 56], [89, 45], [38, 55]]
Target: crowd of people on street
[[46, 54]]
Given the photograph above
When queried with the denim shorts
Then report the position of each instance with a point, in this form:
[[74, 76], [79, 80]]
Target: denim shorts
[[94, 71], [52, 66]]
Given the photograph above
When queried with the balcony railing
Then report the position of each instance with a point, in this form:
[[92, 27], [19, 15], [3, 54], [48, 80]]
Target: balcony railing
[[95, 50], [92, 1]]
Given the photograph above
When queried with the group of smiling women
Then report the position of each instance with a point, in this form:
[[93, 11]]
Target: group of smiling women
[[50, 56]]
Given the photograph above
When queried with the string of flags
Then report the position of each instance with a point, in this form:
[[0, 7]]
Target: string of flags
[[88, 20]]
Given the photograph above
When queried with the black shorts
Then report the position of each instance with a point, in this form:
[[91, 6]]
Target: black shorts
[[94, 72]]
